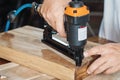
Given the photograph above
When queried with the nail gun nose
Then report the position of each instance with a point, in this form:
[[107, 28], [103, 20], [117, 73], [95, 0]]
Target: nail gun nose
[[79, 56]]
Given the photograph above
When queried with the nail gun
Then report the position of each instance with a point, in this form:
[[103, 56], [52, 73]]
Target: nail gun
[[76, 18]]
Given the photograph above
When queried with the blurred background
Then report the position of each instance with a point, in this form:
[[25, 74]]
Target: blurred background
[[28, 17]]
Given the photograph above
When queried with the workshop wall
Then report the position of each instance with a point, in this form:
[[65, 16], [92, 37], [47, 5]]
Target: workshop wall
[[96, 14]]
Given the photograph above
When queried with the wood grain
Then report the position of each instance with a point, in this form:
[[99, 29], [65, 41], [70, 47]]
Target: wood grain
[[12, 71], [37, 63], [53, 57], [24, 46]]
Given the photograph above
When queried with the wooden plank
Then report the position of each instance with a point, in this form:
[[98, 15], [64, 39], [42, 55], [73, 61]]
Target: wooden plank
[[12, 71], [37, 63], [23, 46], [26, 41]]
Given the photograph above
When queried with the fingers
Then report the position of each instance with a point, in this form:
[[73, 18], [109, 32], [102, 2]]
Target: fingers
[[50, 20], [54, 13], [47, 16], [56, 21], [103, 68], [109, 62], [94, 51], [60, 26], [112, 69], [96, 64], [102, 50]]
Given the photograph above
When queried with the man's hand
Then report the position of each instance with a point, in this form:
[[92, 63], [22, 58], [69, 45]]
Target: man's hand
[[109, 62], [53, 13]]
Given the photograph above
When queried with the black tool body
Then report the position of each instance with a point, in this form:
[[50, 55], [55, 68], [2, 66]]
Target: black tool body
[[76, 19]]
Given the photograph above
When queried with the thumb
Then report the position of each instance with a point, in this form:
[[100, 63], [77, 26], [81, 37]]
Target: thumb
[[93, 51]]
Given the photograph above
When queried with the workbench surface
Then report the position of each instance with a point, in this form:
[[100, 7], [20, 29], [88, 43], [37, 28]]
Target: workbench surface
[[24, 47]]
